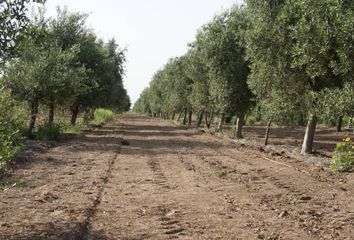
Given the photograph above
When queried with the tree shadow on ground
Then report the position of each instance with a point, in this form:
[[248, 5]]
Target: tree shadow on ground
[[151, 133], [52, 232]]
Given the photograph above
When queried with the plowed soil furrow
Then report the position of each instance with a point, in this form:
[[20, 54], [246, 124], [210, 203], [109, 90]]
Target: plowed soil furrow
[[170, 182], [308, 203]]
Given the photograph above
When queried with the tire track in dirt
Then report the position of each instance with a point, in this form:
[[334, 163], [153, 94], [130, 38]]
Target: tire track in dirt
[[256, 224], [309, 210], [173, 183], [85, 227], [218, 168], [191, 182], [168, 214], [208, 181], [225, 200], [313, 219], [63, 190], [168, 221], [158, 198], [160, 178]]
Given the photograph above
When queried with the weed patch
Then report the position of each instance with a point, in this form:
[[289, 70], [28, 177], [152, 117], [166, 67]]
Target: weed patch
[[6, 185], [220, 173], [49, 132], [101, 116], [343, 156]]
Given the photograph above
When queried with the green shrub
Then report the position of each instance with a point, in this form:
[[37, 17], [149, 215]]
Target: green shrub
[[251, 120], [233, 120], [49, 132], [11, 124], [102, 116], [10, 144], [69, 129], [346, 122], [343, 158]]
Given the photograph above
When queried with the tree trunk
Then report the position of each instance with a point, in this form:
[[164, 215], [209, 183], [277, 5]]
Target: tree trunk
[[350, 123], [207, 124], [179, 116], [34, 113], [309, 135], [92, 113], [339, 124], [258, 114], [190, 117], [185, 117], [221, 122], [239, 125], [74, 114], [200, 118], [173, 116], [266, 138], [51, 111], [211, 118]]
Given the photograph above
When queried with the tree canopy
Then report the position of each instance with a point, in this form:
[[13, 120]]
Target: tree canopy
[[62, 63]]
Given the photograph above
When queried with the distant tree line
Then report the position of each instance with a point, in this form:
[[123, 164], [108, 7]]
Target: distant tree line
[[283, 61]]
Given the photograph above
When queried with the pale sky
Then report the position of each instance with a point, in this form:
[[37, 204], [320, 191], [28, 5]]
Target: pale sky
[[152, 30]]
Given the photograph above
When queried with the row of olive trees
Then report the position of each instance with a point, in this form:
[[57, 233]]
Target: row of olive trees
[[13, 21], [210, 79], [286, 58], [61, 62]]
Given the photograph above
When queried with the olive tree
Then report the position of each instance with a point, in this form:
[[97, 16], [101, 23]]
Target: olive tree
[[104, 63], [294, 45], [43, 72], [224, 50], [199, 97]]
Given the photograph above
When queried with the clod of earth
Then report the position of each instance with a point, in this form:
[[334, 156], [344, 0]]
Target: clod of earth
[[305, 198]]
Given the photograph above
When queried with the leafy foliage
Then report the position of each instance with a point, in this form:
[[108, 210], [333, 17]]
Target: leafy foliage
[[223, 48], [59, 62], [11, 124], [102, 116], [104, 63], [13, 20], [49, 131], [210, 77], [343, 157], [295, 51]]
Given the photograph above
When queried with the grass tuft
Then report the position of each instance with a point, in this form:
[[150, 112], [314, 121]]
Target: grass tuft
[[102, 116]]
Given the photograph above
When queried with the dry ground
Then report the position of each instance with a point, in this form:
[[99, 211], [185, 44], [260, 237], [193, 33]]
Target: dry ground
[[169, 183]]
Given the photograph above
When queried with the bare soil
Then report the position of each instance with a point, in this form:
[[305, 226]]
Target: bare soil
[[169, 182]]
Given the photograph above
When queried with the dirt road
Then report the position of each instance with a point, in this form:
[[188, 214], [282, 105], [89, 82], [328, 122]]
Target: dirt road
[[168, 183]]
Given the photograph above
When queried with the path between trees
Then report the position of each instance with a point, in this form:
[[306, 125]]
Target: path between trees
[[170, 182]]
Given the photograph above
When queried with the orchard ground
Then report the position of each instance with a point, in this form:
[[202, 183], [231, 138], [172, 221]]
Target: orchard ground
[[174, 182], [291, 138]]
